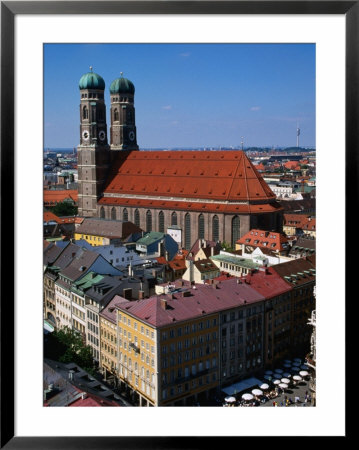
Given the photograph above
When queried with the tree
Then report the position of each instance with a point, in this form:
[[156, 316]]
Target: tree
[[64, 209], [67, 346], [227, 246]]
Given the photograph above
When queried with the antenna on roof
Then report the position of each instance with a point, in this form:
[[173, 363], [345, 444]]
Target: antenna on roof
[[121, 73], [91, 68]]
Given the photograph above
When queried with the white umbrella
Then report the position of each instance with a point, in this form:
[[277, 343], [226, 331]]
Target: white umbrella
[[283, 385], [285, 380], [247, 396], [303, 373], [264, 386], [257, 392], [287, 375], [297, 378], [230, 399], [276, 381]]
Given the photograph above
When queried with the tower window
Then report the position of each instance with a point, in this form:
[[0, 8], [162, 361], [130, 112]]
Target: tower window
[[161, 222], [115, 114], [187, 231], [235, 230], [201, 226], [137, 218], [85, 113], [113, 213], [125, 215], [215, 228], [174, 218], [148, 221], [102, 212]]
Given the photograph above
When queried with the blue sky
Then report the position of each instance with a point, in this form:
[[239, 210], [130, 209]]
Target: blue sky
[[190, 95]]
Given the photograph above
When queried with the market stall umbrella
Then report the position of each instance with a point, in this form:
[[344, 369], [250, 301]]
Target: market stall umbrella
[[304, 367], [297, 378], [264, 386], [257, 392], [283, 385], [287, 361], [285, 381], [303, 373], [297, 360], [295, 369], [287, 375], [230, 399], [279, 370], [276, 381], [287, 365], [278, 375], [268, 377], [268, 372], [247, 396], [296, 364]]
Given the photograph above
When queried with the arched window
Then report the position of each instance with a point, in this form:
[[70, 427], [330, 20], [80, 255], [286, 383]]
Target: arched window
[[93, 114], [137, 217], [215, 229], [148, 221], [161, 222], [125, 215], [115, 114], [85, 113], [187, 231], [201, 226], [102, 212], [113, 213], [235, 231], [174, 218]]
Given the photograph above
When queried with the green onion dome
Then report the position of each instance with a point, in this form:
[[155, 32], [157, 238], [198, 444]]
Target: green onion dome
[[91, 80], [122, 86]]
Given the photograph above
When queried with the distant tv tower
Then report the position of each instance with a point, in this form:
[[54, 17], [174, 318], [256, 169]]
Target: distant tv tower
[[298, 133]]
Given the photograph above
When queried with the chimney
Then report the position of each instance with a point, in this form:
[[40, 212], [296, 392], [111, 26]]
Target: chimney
[[71, 374], [141, 295], [163, 303], [204, 243], [83, 395], [212, 250]]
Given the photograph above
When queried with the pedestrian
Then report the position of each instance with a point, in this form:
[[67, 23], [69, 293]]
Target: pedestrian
[[273, 403]]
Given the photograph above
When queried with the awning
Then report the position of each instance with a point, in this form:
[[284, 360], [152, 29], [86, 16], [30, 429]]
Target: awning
[[241, 386]]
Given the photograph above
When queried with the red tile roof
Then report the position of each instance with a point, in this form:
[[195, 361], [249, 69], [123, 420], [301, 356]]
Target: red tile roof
[[51, 217], [51, 197], [215, 175], [302, 221], [264, 239], [200, 300], [267, 282]]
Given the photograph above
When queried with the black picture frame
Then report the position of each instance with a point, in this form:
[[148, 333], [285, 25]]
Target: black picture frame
[[9, 9]]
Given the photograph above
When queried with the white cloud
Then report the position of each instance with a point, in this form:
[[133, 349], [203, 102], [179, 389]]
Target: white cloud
[[255, 108], [167, 107], [185, 55]]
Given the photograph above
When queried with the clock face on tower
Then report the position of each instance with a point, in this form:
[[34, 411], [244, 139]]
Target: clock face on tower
[[102, 135], [85, 135], [131, 135]]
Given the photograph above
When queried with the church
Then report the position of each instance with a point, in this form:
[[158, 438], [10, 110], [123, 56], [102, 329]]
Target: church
[[212, 195]]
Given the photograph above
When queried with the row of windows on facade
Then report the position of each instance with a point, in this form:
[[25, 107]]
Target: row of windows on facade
[[171, 392], [179, 358], [127, 321], [91, 338], [174, 221], [121, 99], [93, 95]]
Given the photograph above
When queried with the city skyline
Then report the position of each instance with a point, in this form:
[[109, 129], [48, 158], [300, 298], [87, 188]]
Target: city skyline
[[190, 95]]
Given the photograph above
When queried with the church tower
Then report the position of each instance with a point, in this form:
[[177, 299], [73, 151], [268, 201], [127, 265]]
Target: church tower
[[123, 124], [93, 151]]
